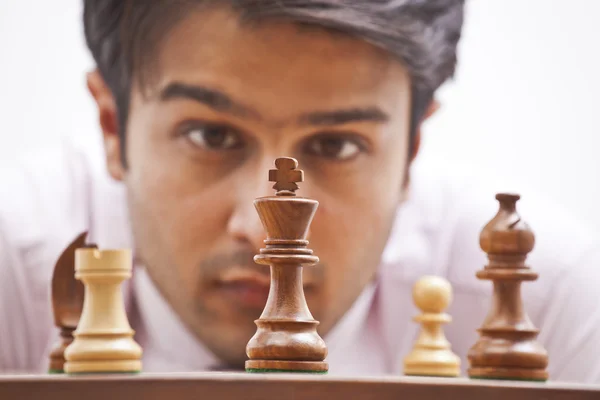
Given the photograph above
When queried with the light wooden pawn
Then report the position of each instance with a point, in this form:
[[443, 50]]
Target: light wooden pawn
[[432, 354], [103, 341]]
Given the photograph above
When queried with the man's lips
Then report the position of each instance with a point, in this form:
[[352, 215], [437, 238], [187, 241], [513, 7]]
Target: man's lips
[[247, 286], [244, 275]]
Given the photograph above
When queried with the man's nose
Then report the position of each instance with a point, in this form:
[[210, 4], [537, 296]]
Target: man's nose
[[244, 224]]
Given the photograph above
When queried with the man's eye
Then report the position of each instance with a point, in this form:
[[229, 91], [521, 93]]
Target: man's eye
[[335, 147], [214, 137]]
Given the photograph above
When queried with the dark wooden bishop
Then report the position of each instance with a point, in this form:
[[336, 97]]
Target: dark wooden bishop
[[286, 339], [67, 300], [507, 347]]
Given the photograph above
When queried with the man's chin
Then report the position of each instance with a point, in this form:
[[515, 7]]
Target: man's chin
[[228, 344]]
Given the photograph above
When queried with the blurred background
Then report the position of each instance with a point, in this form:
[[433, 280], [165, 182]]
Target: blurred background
[[526, 87]]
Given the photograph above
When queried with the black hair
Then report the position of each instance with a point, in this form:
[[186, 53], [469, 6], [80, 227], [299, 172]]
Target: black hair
[[422, 34]]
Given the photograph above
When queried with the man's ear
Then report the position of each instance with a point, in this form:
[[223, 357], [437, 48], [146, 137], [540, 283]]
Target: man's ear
[[109, 123], [434, 105]]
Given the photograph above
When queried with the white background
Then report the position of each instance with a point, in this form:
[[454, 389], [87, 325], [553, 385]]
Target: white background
[[526, 88]]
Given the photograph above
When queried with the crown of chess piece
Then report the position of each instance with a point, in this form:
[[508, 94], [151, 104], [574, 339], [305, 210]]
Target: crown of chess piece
[[103, 341], [67, 300], [432, 354], [507, 347], [286, 339]]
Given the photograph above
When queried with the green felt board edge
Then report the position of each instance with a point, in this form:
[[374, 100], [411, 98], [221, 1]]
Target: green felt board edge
[[105, 373], [449, 377], [491, 378], [56, 371], [285, 371]]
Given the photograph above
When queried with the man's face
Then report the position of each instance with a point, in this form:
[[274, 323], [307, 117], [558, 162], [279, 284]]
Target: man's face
[[228, 99]]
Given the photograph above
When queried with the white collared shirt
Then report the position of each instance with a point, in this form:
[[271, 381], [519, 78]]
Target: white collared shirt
[[53, 195]]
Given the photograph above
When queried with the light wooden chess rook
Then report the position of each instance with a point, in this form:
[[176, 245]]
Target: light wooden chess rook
[[432, 354], [286, 339], [103, 340]]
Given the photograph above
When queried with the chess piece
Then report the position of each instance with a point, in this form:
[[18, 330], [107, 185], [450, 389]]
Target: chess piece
[[286, 338], [67, 301], [507, 347], [103, 340], [432, 354]]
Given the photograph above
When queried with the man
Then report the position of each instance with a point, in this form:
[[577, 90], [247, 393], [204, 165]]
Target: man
[[196, 99]]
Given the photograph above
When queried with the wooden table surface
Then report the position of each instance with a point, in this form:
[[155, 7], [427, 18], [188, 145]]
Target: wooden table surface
[[235, 386]]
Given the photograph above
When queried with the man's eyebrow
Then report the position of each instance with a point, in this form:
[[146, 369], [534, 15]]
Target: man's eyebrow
[[339, 117], [213, 98], [220, 101]]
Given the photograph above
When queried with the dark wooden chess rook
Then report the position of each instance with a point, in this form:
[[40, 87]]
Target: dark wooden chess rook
[[67, 300], [286, 338], [507, 347]]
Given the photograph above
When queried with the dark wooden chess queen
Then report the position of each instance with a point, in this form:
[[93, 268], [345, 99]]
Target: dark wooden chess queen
[[507, 347], [286, 338]]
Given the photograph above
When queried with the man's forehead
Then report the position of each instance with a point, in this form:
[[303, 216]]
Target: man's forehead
[[278, 71], [219, 38]]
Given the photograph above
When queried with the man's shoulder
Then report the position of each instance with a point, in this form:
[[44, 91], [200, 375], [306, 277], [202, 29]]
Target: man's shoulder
[[46, 186], [47, 200]]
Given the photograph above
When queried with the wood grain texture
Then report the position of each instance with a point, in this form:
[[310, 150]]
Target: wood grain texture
[[507, 347], [67, 300], [286, 338], [230, 386]]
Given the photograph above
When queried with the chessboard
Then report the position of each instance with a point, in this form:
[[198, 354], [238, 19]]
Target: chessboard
[[250, 386], [97, 356]]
